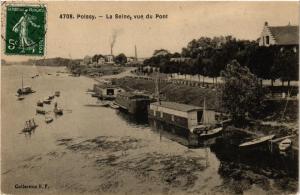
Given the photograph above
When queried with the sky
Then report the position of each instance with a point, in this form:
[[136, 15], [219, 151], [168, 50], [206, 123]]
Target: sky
[[76, 38]]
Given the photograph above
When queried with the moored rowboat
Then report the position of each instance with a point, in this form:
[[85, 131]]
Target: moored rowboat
[[285, 144], [40, 103], [257, 141], [40, 111], [48, 119]]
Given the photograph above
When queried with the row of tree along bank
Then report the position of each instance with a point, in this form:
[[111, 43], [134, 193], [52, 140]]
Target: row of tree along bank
[[209, 56]]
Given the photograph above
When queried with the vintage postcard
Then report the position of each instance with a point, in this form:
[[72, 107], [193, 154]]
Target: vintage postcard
[[145, 97]]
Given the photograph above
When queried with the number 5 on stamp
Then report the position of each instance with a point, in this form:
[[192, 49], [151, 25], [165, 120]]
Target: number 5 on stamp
[[25, 30]]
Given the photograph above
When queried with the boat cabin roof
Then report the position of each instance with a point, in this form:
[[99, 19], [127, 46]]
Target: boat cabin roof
[[107, 85], [178, 106], [134, 95]]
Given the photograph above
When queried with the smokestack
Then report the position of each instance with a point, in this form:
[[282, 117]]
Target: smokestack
[[111, 50], [135, 53]]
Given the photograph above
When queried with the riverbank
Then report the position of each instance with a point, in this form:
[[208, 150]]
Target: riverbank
[[195, 95], [270, 122]]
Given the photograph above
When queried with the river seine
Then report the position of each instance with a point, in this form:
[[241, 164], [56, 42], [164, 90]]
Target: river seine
[[102, 150]]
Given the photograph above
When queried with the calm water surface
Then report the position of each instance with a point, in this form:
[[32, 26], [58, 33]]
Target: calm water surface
[[97, 149]]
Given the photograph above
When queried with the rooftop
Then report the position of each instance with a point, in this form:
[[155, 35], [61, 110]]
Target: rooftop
[[177, 106], [134, 94], [285, 35]]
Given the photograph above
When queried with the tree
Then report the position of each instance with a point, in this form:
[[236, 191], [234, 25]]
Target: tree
[[286, 64], [261, 63], [121, 59], [242, 94]]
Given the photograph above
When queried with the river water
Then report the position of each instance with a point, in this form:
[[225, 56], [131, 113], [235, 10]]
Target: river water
[[102, 150]]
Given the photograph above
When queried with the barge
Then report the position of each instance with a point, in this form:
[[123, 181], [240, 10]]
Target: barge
[[133, 102], [194, 120]]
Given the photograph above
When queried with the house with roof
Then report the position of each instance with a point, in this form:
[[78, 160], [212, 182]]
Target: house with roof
[[287, 36]]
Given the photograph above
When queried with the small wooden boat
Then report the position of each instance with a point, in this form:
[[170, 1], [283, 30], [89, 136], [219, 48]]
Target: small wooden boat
[[35, 76], [257, 141], [40, 103], [40, 111], [57, 93], [58, 111], [29, 126], [113, 105], [50, 97], [285, 144], [46, 101], [104, 103], [20, 97], [211, 132], [94, 94], [205, 131], [25, 89], [48, 119]]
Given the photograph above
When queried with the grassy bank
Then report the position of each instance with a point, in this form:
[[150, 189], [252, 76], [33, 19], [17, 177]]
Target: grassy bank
[[195, 95], [172, 92]]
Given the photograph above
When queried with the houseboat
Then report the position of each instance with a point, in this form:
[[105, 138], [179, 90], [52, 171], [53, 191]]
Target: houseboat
[[133, 102], [106, 91], [186, 117]]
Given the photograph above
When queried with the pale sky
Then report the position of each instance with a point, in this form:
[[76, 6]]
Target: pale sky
[[186, 21]]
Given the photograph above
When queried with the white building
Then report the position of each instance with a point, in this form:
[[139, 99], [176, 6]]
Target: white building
[[279, 35]]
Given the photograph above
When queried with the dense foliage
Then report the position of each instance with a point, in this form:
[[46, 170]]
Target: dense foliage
[[241, 93], [120, 59], [209, 56]]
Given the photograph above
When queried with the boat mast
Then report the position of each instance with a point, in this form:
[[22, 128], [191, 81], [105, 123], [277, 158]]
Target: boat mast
[[22, 81], [204, 120], [157, 88]]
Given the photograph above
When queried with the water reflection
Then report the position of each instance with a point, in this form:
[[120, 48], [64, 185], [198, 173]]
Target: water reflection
[[138, 121], [272, 165], [233, 160], [28, 133], [180, 135]]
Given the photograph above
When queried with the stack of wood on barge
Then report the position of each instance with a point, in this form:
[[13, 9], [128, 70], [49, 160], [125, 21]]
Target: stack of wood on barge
[[133, 102]]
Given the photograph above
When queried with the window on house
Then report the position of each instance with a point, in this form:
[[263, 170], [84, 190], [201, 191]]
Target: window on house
[[267, 40], [295, 49]]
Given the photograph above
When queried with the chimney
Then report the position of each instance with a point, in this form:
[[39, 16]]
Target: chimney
[[135, 52], [266, 23], [111, 50]]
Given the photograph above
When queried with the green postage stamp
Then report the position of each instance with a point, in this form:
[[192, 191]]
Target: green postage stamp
[[25, 30]]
